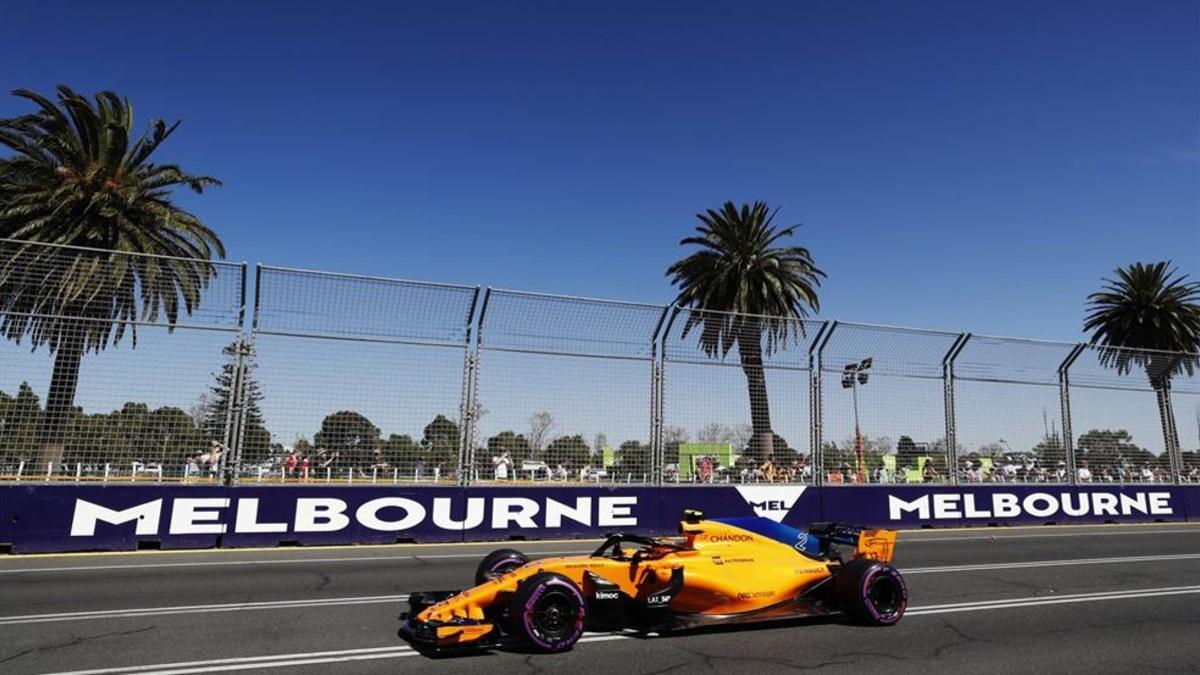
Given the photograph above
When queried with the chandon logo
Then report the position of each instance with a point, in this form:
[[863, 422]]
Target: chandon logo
[[941, 506], [214, 515], [771, 501]]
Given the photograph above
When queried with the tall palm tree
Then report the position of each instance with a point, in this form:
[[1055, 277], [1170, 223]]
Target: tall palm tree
[[77, 177], [1148, 307], [750, 292]]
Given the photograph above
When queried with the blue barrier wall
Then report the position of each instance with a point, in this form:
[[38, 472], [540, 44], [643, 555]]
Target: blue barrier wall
[[45, 518]]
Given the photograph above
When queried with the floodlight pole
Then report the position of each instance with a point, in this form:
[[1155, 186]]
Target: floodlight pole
[[854, 370], [858, 446]]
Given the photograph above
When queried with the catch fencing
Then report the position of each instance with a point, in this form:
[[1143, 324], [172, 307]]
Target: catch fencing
[[125, 367]]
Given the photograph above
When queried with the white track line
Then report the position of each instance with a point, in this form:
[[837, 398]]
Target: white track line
[[1050, 563], [904, 538], [314, 658], [376, 599], [199, 609], [1051, 600], [304, 658]]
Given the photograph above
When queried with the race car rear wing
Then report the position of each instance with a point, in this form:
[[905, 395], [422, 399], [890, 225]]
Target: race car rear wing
[[871, 544]]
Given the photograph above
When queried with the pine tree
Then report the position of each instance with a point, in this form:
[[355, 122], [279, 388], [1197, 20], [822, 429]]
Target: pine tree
[[256, 439]]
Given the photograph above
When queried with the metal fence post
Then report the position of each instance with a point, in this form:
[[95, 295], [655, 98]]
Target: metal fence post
[[948, 400], [815, 381], [1170, 435], [661, 334], [244, 349], [657, 454], [231, 459], [469, 408], [1064, 402]]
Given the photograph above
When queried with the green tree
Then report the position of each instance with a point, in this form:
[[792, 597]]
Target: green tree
[[632, 457], [1050, 450], [516, 445], [907, 453], [1148, 307], [749, 291], [20, 417], [441, 442], [403, 452], [571, 451], [1111, 448], [256, 440], [77, 176], [350, 434]]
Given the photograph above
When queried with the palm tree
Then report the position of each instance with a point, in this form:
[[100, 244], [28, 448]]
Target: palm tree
[[747, 289], [78, 180], [1148, 307]]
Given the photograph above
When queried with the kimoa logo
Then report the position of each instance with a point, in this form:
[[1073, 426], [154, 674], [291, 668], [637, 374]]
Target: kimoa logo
[[771, 501]]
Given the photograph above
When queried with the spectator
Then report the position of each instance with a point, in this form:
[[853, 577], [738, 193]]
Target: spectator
[[326, 459], [419, 469], [304, 465], [193, 466], [1147, 475], [212, 458], [501, 464], [1084, 473], [289, 464], [768, 470], [930, 474], [671, 473], [706, 469], [1010, 469], [1060, 472], [379, 463]]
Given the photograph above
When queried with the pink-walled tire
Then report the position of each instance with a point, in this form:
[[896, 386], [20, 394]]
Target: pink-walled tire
[[498, 563], [871, 592], [548, 612]]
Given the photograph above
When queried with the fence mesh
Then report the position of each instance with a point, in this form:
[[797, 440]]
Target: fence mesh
[[110, 365], [900, 403], [354, 379], [127, 367], [1118, 397], [1008, 410], [736, 398], [564, 389]]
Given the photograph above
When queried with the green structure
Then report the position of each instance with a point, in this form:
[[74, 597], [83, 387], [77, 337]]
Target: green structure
[[689, 454]]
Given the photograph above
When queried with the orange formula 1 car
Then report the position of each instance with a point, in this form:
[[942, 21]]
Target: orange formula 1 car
[[729, 570]]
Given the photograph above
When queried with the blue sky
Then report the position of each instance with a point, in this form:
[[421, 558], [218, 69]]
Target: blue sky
[[974, 166]]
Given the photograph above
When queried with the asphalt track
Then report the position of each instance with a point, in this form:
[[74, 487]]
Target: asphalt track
[[1052, 599]]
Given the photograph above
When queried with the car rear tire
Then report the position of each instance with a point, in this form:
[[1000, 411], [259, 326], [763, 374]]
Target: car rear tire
[[498, 563], [548, 611], [871, 592]]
